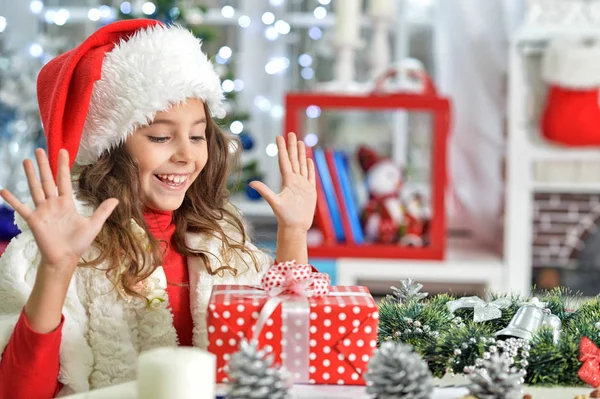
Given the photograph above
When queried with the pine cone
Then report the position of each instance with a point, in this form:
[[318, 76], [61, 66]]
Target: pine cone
[[396, 371], [409, 290], [495, 380], [252, 375]]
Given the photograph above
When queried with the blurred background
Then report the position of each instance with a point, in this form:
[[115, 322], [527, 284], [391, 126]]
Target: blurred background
[[435, 111]]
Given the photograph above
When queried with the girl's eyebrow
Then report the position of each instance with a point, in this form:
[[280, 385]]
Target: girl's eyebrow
[[172, 123]]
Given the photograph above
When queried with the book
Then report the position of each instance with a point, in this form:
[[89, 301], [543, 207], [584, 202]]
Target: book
[[347, 188], [339, 195], [329, 193], [322, 218]]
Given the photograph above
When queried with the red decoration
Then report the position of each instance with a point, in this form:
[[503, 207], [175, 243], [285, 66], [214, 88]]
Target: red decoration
[[429, 101], [367, 157], [589, 355], [571, 116], [341, 328], [387, 229], [417, 221], [382, 216]]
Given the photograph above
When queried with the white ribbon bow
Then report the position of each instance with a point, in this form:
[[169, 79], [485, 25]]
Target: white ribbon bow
[[482, 310], [535, 302]]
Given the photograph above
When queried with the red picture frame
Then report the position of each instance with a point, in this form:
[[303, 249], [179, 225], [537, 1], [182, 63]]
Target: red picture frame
[[296, 103]]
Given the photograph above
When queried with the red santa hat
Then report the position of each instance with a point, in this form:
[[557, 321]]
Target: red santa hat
[[94, 96], [367, 157]]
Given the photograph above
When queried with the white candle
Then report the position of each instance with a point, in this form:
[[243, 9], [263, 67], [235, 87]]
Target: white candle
[[182, 373], [382, 8], [347, 22]]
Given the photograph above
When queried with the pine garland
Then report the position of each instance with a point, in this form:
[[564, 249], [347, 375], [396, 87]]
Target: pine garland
[[453, 342], [463, 345]]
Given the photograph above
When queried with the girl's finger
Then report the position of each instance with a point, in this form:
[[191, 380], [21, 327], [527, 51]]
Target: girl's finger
[[35, 187], [284, 161], [265, 192], [17, 205], [45, 173], [311, 172], [293, 152], [302, 158], [64, 175], [102, 213]]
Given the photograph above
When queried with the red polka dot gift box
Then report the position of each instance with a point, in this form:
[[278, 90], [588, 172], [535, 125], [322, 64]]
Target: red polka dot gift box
[[326, 338]]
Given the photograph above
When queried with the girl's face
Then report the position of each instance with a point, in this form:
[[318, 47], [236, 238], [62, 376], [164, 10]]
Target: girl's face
[[170, 152]]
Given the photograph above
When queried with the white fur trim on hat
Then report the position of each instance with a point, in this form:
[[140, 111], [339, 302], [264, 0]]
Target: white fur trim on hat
[[155, 68], [572, 63]]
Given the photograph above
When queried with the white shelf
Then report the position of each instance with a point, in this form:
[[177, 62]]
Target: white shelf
[[466, 262], [567, 187], [555, 153], [527, 150], [543, 150]]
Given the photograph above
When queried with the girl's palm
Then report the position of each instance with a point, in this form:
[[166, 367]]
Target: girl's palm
[[62, 235], [295, 205]]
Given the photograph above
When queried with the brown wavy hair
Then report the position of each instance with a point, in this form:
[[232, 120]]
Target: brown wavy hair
[[205, 209]]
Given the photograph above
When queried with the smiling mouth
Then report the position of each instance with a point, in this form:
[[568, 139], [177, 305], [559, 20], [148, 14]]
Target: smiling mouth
[[173, 180]]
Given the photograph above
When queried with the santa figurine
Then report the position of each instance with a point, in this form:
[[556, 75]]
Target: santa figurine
[[382, 215], [417, 217]]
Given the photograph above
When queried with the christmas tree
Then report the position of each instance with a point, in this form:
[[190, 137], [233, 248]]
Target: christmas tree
[[20, 125]]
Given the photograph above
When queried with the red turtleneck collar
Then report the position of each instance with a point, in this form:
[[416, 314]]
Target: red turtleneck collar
[[161, 226]]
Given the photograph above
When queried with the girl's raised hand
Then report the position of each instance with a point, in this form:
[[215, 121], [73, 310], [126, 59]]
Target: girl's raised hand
[[295, 205], [62, 235]]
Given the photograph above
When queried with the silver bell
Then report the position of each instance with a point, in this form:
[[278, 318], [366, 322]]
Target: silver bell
[[528, 320], [553, 321]]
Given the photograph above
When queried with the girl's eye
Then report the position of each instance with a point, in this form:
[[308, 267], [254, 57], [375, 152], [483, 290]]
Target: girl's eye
[[155, 139], [198, 138]]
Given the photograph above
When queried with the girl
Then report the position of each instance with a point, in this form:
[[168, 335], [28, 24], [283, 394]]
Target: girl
[[83, 290]]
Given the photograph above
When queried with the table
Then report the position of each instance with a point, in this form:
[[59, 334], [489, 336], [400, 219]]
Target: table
[[129, 391]]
